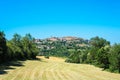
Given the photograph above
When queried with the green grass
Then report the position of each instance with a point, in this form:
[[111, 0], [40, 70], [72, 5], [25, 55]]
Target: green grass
[[56, 69]]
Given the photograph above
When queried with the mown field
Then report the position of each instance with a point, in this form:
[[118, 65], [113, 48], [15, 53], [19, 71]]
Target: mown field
[[56, 69]]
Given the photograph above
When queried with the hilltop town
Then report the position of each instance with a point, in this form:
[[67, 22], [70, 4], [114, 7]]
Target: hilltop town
[[53, 44]]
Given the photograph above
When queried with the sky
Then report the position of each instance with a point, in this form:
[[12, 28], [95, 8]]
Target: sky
[[49, 18]]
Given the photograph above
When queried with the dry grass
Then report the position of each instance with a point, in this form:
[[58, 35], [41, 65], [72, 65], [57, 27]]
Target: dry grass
[[56, 69]]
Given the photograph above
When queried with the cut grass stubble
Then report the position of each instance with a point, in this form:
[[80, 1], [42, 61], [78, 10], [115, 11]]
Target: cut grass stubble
[[56, 69]]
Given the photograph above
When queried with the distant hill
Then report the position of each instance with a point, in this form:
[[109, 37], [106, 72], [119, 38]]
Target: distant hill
[[60, 46]]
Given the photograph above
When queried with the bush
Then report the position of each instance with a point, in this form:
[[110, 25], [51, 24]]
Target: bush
[[69, 60], [47, 57]]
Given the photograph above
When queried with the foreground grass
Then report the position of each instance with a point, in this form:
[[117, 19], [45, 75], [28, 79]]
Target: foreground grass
[[56, 69]]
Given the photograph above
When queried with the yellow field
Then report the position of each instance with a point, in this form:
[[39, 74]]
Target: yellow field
[[56, 69]]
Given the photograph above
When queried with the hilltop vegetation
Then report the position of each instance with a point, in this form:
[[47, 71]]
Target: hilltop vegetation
[[60, 47]]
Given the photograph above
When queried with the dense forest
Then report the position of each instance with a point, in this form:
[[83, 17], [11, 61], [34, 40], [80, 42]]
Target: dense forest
[[96, 51], [18, 48]]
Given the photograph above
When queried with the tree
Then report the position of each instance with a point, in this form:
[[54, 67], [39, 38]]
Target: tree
[[76, 57], [3, 47], [22, 47], [98, 42], [91, 56], [103, 57], [97, 50], [29, 48], [17, 40], [114, 58], [16, 46]]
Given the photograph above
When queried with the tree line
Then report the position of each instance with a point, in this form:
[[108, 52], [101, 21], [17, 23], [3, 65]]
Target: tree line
[[100, 53], [18, 48]]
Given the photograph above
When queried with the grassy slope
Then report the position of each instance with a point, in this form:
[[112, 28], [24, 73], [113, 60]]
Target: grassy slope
[[57, 69]]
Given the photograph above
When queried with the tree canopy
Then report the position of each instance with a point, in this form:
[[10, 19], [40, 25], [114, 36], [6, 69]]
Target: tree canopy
[[17, 48]]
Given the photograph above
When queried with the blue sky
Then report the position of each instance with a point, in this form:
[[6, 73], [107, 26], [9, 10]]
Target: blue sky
[[46, 18]]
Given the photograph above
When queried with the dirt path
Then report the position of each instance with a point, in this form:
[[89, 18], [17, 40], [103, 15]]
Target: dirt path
[[56, 69]]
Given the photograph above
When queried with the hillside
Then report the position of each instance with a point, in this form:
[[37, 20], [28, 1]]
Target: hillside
[[56, 69], [60, 46]]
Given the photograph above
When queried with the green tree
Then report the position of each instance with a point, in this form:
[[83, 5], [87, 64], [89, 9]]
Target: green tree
[[114, 58], [91, 56], [103, 57], [76, 57], [98, 42], [16, 46], [97, 50], [29, 48], [3, 47]]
